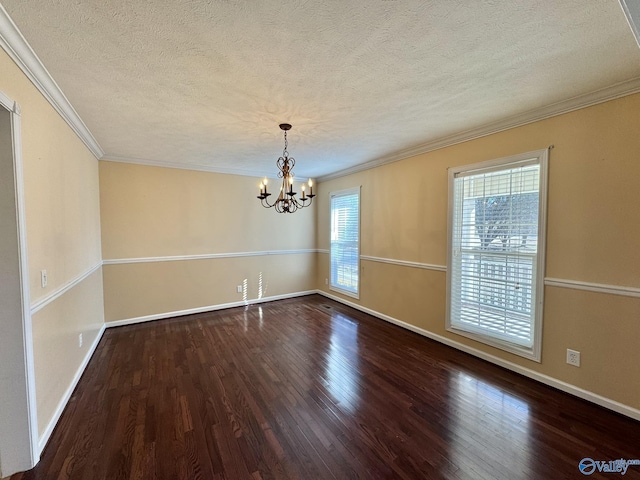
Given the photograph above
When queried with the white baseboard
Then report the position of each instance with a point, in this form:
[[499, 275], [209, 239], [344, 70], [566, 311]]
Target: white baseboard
[[44, 438], [547, 380], [209, 308]]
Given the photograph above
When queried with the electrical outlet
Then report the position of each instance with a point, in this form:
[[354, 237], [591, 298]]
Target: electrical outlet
[[43, 278], [239, 288], [79, 340], [573, 357]]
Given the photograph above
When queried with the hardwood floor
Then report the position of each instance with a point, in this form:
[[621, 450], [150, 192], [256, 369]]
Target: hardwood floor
[[310, 389]]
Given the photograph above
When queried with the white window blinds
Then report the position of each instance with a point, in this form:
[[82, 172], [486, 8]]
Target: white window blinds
[[494, 251], [345, 241]]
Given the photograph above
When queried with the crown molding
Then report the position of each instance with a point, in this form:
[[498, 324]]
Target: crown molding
[[602, 95], [16, 46], [182, 166]]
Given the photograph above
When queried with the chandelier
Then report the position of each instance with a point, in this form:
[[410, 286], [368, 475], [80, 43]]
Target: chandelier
[[286, 201]]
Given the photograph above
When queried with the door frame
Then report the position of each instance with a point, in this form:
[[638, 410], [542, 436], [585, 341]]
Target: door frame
[[27, 333]]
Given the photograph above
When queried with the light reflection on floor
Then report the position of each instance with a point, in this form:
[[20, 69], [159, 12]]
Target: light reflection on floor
[[488, 424], [248, 315], [342, 362]]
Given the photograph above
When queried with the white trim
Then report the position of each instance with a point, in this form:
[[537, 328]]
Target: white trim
[[343, 193], [519, 159], [208, 308], [7, 103], [606, 94], [405, 263], [541, 268], [27, 328], [16, 46], [633, 22], [43, 302], [44, 438], [527, 372], [186, 166], [177, 258], [347, 293], [548, 281], [346, 191], [323, 250], [541, 158], [593, 287]]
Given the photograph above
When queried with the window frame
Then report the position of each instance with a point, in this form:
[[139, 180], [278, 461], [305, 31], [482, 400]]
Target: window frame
[[542, 159], [332, 195]]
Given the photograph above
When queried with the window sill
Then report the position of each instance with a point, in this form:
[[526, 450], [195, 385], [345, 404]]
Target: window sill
[[345, 292], [530, 353]]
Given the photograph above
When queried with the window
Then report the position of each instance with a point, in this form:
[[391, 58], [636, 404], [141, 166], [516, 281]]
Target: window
[[345, 241], [497, 218]]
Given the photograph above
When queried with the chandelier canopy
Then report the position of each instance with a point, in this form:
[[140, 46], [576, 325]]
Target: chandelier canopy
[[286, 201]]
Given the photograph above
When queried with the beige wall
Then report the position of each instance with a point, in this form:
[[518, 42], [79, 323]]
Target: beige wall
[[593, 236], [154, 213], [63, 236], [57, 355]]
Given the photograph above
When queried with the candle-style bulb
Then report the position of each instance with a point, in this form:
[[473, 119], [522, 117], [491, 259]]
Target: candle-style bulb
[[310, 183]]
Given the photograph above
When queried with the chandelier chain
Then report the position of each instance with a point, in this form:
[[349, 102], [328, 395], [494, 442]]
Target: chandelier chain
[[285, 152]]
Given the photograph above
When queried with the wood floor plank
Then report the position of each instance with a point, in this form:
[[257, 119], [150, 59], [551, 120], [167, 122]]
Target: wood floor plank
[[311, 389]]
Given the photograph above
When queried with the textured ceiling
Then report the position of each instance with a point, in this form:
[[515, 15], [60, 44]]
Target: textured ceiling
[[205, 83]]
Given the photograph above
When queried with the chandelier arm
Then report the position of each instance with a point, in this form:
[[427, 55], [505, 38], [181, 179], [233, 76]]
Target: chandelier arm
[[265, 201], [288, 205]]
